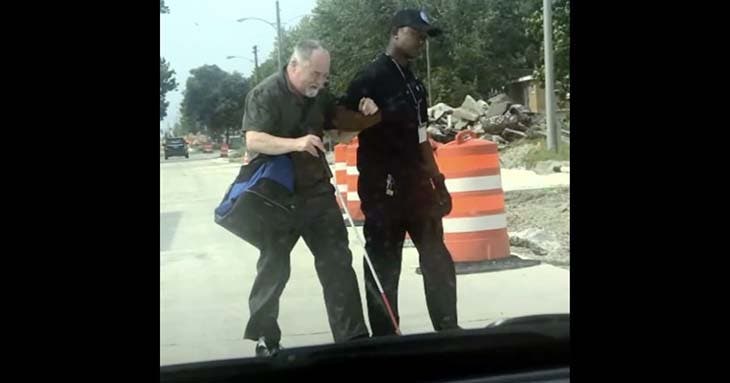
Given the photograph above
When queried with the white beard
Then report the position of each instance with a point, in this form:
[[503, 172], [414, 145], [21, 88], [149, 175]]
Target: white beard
[[311, 92]]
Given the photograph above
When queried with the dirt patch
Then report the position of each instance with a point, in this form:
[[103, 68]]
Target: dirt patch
[[544, 209]]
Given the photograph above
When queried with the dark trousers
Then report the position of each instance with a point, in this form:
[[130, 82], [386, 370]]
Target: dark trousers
[[319, 222], [387, 219]]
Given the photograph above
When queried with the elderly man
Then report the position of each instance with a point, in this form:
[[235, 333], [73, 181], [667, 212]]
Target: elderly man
[[286, 114]]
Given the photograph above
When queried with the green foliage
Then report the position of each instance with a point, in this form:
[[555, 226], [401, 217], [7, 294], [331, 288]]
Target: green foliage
[[485, 44], [561, 44], [541, 153], [167, 83], [186, 125], [214, 100]]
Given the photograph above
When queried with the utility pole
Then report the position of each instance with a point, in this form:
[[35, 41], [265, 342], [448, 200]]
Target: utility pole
[[277, 27], [256, 62], [552, 132], [278, 34]]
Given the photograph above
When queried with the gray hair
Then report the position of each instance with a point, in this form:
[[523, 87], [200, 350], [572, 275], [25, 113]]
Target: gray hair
[[303, 51]]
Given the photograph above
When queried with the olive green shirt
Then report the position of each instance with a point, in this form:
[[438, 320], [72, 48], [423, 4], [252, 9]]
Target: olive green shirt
[[272, 108]]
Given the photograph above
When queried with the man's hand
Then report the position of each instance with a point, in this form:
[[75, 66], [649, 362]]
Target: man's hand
[[443, 198], [367, 106], [309, 143]]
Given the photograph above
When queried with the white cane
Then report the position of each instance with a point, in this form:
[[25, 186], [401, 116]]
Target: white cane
[[362, 244]]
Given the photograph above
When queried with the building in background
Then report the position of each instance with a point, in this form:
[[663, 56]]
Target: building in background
[[528, 92]]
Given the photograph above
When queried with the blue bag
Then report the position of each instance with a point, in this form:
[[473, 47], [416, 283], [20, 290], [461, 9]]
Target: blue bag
[[259, 200]]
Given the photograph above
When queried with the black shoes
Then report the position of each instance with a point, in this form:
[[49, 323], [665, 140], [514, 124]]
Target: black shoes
[[263, 348]]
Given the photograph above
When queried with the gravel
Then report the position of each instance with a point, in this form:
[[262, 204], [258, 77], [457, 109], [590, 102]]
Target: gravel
[[513, 156], [541, 209]]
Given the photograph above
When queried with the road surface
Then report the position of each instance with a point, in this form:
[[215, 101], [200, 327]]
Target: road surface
[[206, 275], [194, 156]]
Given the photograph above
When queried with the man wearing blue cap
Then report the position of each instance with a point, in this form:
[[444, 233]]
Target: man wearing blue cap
[[400, 187]]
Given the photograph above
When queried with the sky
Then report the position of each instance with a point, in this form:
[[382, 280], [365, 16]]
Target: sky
[[204, 32]]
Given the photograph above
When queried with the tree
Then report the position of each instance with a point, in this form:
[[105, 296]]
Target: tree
[[200, 96], [214, 99], [354, 31], [228, 114], [485, 44], [561, 44], [186, 125], [167, 83]]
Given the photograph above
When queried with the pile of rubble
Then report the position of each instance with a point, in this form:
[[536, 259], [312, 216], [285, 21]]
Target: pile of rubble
[[499, 120]]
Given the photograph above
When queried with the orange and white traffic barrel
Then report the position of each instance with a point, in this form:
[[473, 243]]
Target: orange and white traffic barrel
[[475, 232], [352, 175], [341, 172], [224, 150]]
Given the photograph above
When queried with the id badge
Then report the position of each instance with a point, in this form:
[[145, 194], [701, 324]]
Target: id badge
[[422, 135]]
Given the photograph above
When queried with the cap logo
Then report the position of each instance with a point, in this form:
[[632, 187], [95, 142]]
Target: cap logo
[[424, 17]]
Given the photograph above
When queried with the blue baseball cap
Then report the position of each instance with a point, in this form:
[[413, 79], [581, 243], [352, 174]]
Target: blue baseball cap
[[416, 19]]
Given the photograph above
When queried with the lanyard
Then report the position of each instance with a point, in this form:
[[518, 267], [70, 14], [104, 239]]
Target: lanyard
[[413, 95]]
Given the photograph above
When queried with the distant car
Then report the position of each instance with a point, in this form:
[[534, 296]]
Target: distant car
[[176, 147], [208, 148]]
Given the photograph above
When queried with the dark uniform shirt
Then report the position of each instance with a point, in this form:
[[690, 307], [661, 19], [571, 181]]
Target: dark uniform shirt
[[271, 107], [392, 146]]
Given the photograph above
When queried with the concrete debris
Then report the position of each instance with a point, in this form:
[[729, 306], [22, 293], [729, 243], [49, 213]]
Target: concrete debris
[[465, 114], [434, 131], [519, 110], [471, 105], [546, 209], [549, 167], [513, 134], [500, 117], [541, 242], [439, 110], [499, 98], [483, 105], [498, 139], [442, 136], [461, 124], [498, 108], [477, 128]]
